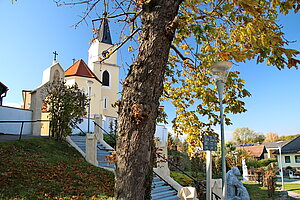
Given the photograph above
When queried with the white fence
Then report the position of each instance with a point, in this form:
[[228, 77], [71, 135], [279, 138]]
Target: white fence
[[15, 114]]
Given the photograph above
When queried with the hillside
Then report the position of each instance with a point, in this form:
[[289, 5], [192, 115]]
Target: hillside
[[43, 168]]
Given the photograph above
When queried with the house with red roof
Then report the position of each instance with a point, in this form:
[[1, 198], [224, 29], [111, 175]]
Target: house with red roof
[[258, 151]]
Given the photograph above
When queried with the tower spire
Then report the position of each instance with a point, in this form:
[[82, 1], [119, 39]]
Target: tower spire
[[104, 33]]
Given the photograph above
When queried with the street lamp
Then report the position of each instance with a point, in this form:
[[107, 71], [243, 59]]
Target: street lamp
[[220, 70], [89, 83], [281, 170]]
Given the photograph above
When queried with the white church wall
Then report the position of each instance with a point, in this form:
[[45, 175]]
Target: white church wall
[[46, 75], [15, 114]]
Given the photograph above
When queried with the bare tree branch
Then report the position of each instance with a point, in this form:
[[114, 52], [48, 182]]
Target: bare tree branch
[[120, 45], [180, 54]]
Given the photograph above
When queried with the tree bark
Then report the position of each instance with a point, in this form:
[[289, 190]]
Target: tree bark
[[138, 108]]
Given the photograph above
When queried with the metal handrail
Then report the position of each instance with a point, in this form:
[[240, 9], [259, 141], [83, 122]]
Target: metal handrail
[[194, 180], [81, 131], [114, 139], [164, 180], [22, 123]]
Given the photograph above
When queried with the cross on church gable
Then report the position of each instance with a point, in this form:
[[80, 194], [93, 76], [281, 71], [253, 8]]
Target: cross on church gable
[[55, 54]]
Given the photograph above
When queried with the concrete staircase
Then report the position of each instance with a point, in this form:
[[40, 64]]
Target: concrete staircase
[[160, 189]]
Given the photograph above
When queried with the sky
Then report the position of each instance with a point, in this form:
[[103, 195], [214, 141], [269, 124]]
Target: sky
[[32, 30]]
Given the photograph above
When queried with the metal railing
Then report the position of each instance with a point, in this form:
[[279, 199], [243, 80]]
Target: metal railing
[[196, 182], [164, 180], [76, 126], [22, 124], [113, 138]]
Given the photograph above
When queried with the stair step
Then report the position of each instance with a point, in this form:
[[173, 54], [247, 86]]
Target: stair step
[[164, 194], [159, 183], [159, 189], [101, 164], [167, 198]]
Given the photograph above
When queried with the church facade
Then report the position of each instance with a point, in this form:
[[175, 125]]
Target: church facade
[[99, 79]]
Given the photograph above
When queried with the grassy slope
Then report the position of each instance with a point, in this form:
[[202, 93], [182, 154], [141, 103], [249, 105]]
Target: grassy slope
[[43, 168]]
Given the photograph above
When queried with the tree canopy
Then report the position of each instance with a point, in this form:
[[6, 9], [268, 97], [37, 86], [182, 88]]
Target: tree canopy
[[66, 107], [245, 135], [272, 137], [288, 137], [206, 32]]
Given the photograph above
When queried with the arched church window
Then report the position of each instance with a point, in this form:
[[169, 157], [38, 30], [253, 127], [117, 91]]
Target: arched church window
[[105, 78]]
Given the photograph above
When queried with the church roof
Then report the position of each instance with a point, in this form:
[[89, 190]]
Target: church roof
[[79, 68], [104, 33]]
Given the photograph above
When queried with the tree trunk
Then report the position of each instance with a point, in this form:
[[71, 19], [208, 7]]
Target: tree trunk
[[138, 108]]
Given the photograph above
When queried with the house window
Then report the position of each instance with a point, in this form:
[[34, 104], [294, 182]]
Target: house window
[[287, 159], [297, 159], [105, 78]]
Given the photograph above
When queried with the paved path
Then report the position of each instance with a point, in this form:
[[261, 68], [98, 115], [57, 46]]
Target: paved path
[[294, 194], [11, 137], [293, 181]]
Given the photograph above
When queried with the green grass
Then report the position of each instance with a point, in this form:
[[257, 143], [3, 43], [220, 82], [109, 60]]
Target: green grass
[[181, 178], [46, 169], [291, 187], [256, 191]]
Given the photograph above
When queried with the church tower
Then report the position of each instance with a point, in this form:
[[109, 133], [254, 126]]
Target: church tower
[[103, 63]]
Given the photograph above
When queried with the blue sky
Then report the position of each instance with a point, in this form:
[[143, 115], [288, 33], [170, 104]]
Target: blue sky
[[32, 30]]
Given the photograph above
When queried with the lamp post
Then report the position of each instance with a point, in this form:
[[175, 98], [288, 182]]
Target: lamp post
[[281, 170], [220, 71], [89, 83]]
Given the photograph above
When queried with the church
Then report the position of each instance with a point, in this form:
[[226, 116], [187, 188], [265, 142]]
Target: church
[[99, 79]]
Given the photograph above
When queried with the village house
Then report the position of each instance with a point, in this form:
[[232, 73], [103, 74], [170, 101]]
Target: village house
[[257, 151], [290, 154]]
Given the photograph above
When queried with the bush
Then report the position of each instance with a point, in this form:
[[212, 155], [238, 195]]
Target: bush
[[266, 162], [110, 139], [260, 163], [252, 163]]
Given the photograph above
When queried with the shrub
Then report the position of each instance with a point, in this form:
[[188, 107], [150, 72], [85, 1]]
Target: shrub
[[110, 139], [266, 162]]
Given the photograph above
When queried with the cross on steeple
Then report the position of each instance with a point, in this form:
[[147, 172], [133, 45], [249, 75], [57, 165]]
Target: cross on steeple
[[55, 54]]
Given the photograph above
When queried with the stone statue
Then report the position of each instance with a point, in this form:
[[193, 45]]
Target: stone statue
[[245, 170], [235, 189]]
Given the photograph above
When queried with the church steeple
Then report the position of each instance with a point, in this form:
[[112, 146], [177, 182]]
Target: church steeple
[[104, 33]]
